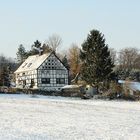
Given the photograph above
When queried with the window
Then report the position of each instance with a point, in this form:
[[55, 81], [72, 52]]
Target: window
[[32, 83], [45, 80], [29, 64], [60, 80], [24, 65], [24, 83]]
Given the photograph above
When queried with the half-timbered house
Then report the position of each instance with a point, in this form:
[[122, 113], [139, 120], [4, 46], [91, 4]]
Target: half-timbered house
[[45, 72]]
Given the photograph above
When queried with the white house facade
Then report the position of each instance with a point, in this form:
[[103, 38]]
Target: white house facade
[[45, 72]]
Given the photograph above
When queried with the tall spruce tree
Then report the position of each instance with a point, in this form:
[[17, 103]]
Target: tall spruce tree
[[21, 54], [97, 64]]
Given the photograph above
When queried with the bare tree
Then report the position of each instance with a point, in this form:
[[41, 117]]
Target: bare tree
[[137, 62], [113, 55], [74, 60], [54, 41], [127, 58]]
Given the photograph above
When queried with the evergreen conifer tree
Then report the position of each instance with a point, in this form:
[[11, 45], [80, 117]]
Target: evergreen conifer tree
[[21, 54], [4, 76], [96, 60], [33, 51]]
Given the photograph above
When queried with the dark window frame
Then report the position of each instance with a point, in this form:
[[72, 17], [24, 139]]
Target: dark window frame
[[60, 80], [45, 80]]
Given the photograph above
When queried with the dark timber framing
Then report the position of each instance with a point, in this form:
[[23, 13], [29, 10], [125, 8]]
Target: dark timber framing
[[50, 68]]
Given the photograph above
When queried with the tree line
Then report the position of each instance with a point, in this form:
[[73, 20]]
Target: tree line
[[7, 67], [93, 62]]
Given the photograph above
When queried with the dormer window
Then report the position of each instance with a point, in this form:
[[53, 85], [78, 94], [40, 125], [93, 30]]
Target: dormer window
[[24, 65], [29, 64]]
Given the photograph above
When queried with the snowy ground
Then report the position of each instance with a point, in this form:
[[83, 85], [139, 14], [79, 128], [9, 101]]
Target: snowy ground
[[57, 118]]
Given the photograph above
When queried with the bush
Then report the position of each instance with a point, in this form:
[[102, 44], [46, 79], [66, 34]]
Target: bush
[[130, 97]]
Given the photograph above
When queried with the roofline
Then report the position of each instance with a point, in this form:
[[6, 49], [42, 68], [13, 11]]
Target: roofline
[[60, 60], [56, 57], [31, 69], [44, 60]]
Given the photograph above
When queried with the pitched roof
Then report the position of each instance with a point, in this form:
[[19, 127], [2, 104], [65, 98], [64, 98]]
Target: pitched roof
[[32, 62]]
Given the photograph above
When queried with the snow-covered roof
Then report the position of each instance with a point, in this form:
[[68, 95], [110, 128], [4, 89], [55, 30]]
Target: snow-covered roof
[[121, 81], [32, 63], [70, 86]]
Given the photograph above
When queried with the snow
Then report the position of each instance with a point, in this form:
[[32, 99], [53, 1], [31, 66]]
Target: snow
[[35, 61], [70, 86], [59, 118], [132, 85], [121, 81], [135, 86]]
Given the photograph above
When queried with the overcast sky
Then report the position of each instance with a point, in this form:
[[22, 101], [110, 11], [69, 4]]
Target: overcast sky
[[24, 21]]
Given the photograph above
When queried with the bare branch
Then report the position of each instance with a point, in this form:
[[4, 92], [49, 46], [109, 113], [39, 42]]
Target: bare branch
[[54, 41]]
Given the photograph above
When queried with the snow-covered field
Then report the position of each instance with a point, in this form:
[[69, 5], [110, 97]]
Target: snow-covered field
[[56, 118]]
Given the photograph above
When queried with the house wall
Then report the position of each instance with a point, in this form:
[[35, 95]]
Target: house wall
[[24, 79], [50, 75], [53, 71]]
